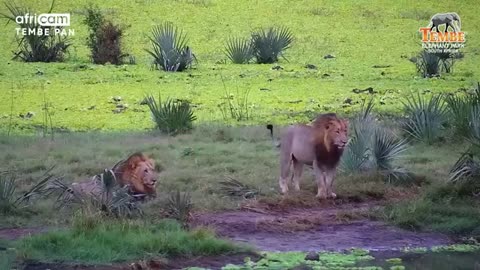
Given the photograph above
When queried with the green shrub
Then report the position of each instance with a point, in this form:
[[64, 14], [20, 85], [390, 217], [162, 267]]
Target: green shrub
[[171, 117], [239, 51], [179, 207], [431, 64], [170, 50], [269, 44], [463, 109], [425, 118], [373, 148], [428, 64], [10, 201], [37, 48]]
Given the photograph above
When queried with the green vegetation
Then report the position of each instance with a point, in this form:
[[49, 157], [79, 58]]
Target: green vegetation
[[368, 51], [239, 50], [111, 241], [36, 48], [286, 260], [269, 44], [170, 48], [171, 117], [425, 117], [446, 208]]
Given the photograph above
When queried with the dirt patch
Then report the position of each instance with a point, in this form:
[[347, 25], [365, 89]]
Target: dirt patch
[[314, 229]]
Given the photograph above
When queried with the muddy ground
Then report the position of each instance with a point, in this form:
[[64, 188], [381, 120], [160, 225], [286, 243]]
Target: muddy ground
[[334, 226], [328, 227]]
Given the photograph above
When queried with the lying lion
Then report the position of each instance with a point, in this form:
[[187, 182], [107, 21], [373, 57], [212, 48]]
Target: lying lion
[[137, 172], [319, 145]]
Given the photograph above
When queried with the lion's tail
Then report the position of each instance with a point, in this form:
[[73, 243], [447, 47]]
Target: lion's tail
[[275, 143]]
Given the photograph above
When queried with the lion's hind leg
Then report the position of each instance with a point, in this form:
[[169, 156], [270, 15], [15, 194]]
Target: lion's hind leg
[[285, 164], [297, 173]]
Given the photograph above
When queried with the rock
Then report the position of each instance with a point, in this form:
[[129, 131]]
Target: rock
[[325, 75], [122, 106], [39, 72], [28, 115], [347, 101], [295, 101], [277, 68], [312, 256], [310, 66], [117, 98], [91, 107], [328, 56], [118, 110], [368, 89]]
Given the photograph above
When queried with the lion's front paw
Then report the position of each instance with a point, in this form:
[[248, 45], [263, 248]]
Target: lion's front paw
[[321, 196]]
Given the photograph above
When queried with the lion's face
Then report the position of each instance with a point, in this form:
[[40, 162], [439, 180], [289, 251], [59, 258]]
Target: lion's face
[[139, 173], [337, 131], [146, 172]]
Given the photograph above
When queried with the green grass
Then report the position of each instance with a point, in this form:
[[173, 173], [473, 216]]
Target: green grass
[[360, 34], [443, 208], [194, 163], [113, 241]]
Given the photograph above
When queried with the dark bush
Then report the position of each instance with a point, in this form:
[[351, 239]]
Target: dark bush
[[104, 39]]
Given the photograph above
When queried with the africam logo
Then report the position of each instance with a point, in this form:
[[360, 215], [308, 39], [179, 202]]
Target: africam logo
[[435, 41]]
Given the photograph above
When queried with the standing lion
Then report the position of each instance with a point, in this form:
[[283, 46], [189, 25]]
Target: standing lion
[[320, 145]]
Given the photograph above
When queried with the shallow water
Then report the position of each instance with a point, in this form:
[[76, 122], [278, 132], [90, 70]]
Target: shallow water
[[433, 260]]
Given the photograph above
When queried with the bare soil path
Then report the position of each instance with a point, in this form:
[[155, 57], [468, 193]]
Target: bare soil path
[[315, 229]]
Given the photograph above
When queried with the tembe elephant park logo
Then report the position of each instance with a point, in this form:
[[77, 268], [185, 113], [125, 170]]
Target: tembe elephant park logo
[[450, 40]]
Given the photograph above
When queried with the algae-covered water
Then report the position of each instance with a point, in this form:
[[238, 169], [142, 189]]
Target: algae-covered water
[[454, 257], [450, 260]]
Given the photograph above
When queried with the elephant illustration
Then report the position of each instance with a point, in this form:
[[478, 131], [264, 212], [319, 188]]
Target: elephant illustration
[[447, 19]]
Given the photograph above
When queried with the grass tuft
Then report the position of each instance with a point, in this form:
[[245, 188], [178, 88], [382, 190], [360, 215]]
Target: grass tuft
[[171, 117], [114, 241]]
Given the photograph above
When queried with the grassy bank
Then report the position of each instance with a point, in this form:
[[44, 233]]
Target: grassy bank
[[120, 241], [371, 42]]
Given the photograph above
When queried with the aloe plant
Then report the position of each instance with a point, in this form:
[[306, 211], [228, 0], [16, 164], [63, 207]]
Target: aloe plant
[[425, 117], [170, 51], [179, 206], [239, 51], [171, 117], [269, 44], [10, 201]]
